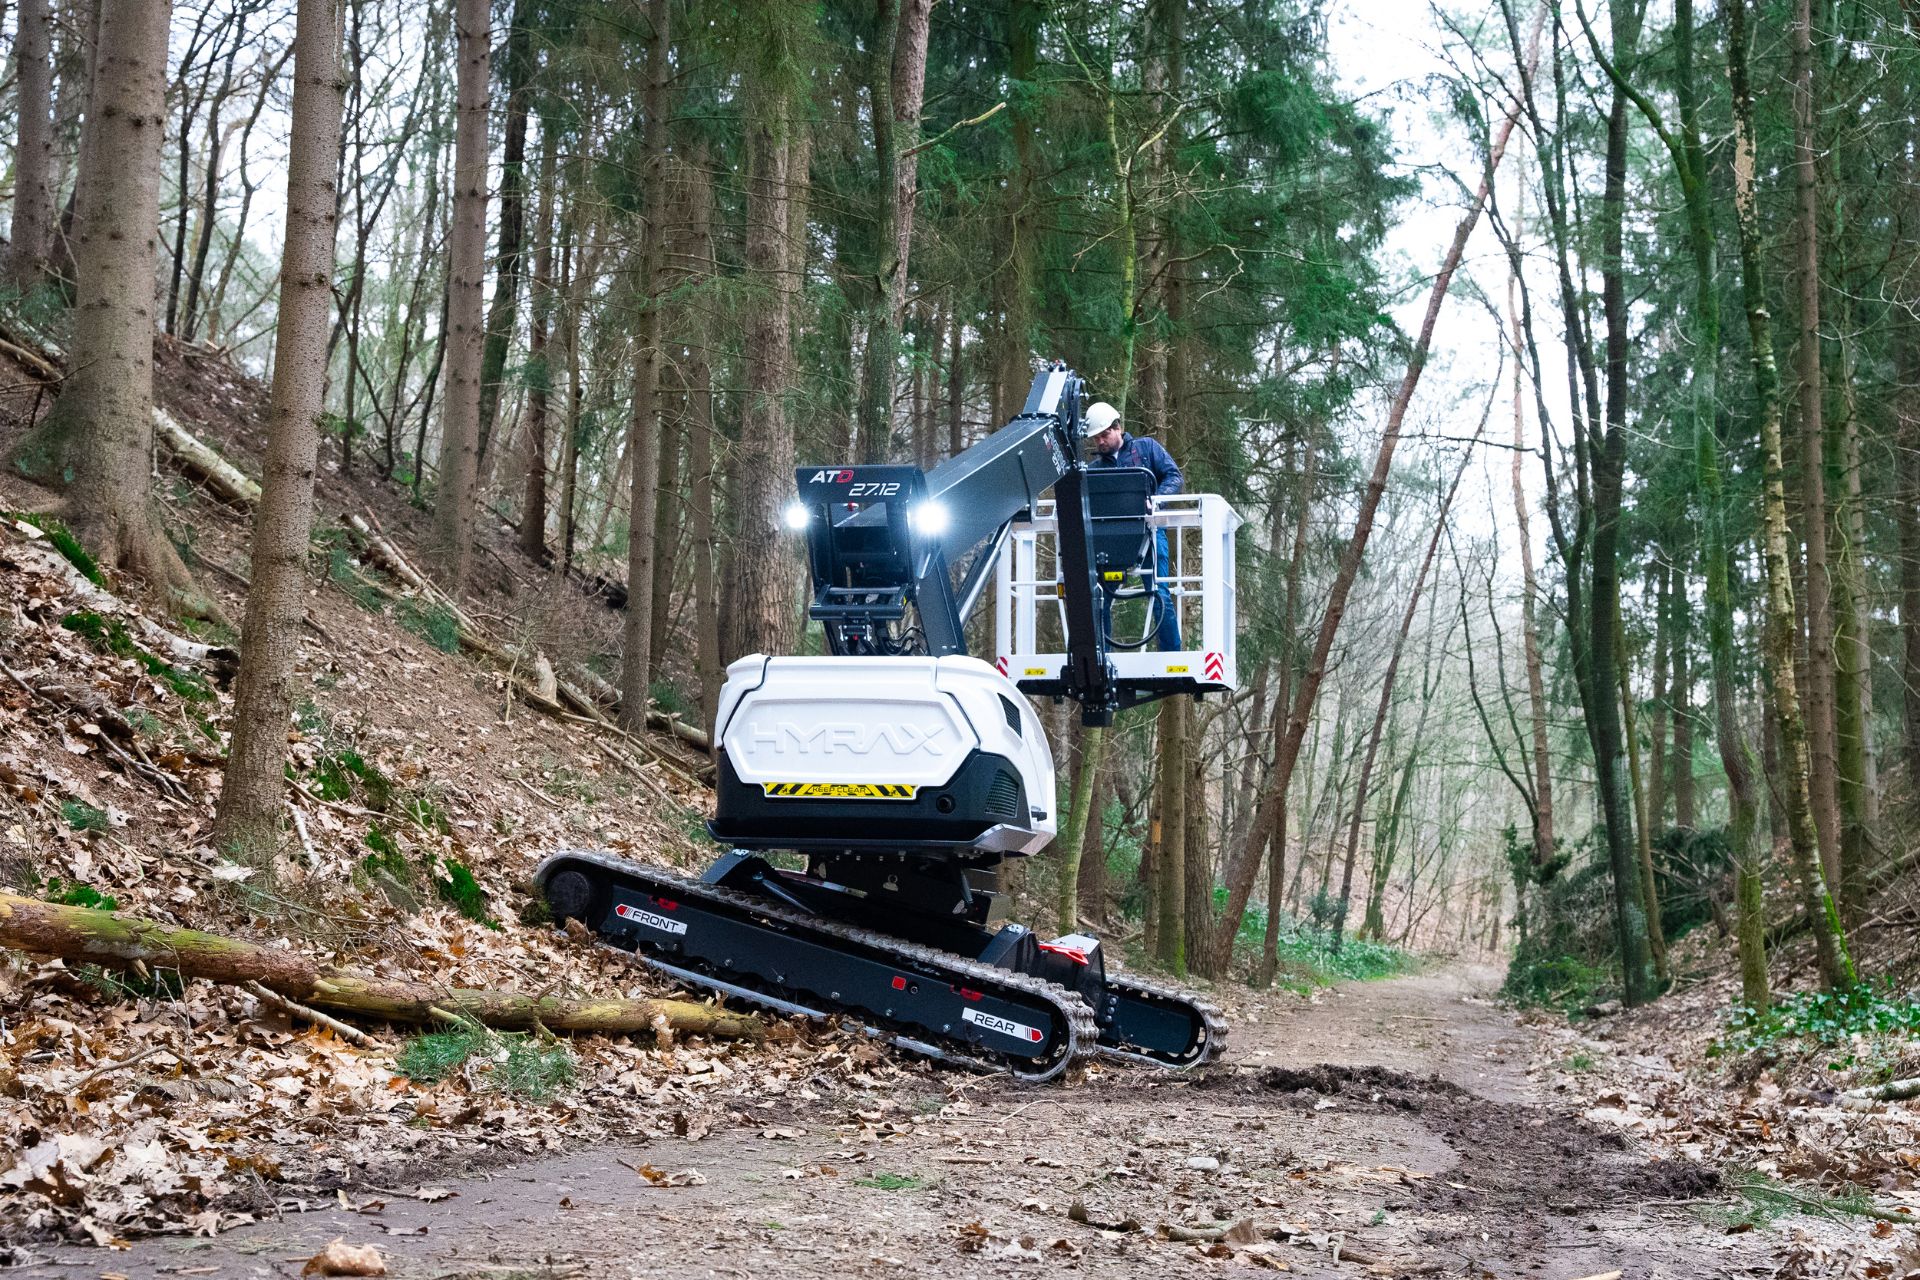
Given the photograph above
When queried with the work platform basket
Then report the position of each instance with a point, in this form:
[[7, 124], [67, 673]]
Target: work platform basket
[[1030, 624]]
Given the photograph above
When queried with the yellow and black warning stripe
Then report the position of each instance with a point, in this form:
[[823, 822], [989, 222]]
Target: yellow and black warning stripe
[[839, 790]]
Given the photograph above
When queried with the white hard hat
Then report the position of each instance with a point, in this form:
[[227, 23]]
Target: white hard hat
[[1100, 416]]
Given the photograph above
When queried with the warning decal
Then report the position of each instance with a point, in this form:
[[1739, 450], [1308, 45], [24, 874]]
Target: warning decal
[[840, 790]]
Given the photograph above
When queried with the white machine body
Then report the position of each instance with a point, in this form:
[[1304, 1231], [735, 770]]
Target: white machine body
[[886, 737]]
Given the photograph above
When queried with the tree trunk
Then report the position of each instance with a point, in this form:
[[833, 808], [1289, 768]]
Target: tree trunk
[[1170, 879], [1836, 968], [1073, 840], [896, 80], [502, 311], [252, 792], [697, 254], [758, 614], [102, 425], [1821, 746], [1657, 710], [643, 428], [1015, 280], [956, 383], [1601, 700], [1245, 863], [1680, 709], [1907, 517], [1277, 724], [1543, 838], [1199, 864], [466, 322], [1853, 658], [1092, 875], [669, 518], [120, 941], [33, 148], [533, 505], [1643, 831]]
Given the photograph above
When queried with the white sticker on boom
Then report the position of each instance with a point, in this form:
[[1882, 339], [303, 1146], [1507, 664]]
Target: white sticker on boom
[[650, 919], [1005, 1026]]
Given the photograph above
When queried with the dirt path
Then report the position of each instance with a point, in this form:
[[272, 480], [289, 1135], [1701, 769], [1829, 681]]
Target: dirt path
[[1421, 1151]]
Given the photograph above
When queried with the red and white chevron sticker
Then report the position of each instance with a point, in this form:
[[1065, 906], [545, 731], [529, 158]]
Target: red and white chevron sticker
[[1001, 663], [1215, 667]]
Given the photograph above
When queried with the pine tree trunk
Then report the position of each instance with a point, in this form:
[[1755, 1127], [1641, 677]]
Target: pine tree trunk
[[1080, 820], [503, 310], [956, 383], [643, 425], [1601, 702], [1170, 879], [1657, 710], [32, 229], [1836, 968], [758, 614], [1543, 837], [1823, 764], [1092, 875], [1853, 660], [466, 321], [102, 425], [1015, 280], [533, 503], [669, 516], [574, 278], [1680, 708], [1199, 864], [1643, 842], [695, 256], [896, 82], [252, 790], [1907, 518]]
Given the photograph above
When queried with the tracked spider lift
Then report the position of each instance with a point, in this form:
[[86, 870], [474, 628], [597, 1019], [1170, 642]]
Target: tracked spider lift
[[906, 772]]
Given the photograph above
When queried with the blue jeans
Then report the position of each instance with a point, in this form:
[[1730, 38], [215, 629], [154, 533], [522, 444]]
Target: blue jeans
[[1166, 635]]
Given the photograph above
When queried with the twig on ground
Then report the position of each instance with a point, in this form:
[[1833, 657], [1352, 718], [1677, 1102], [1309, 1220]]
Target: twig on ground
[[306, 840], [351, 1034], [110, 1067]]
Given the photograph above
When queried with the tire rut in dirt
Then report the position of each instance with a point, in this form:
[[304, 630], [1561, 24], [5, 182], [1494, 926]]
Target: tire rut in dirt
[[1512, 1155]]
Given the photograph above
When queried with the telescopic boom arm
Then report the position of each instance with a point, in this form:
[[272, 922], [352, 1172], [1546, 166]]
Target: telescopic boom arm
[[882, 537]]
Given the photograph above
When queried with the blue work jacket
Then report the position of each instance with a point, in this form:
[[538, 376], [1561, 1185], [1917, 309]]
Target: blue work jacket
[[1136, 451]]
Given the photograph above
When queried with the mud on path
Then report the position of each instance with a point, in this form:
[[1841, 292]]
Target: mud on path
[[1388, 1129]]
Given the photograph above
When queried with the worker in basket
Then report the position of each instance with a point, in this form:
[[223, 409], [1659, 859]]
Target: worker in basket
[[1114, 447]]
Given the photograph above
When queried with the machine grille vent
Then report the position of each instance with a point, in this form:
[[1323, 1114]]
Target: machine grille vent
[[1003, 797], [1012, 714]]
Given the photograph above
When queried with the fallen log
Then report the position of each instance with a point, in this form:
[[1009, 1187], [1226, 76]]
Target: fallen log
[[123, 941], [1891, 1091], [35, 363], [204, 463], [384, 553], [608, 696]]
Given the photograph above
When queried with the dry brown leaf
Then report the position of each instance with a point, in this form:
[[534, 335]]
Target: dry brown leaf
[[342, 1259], [661, 1178]]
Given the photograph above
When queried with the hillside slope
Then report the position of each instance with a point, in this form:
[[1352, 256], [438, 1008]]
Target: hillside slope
[[426, 792]]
